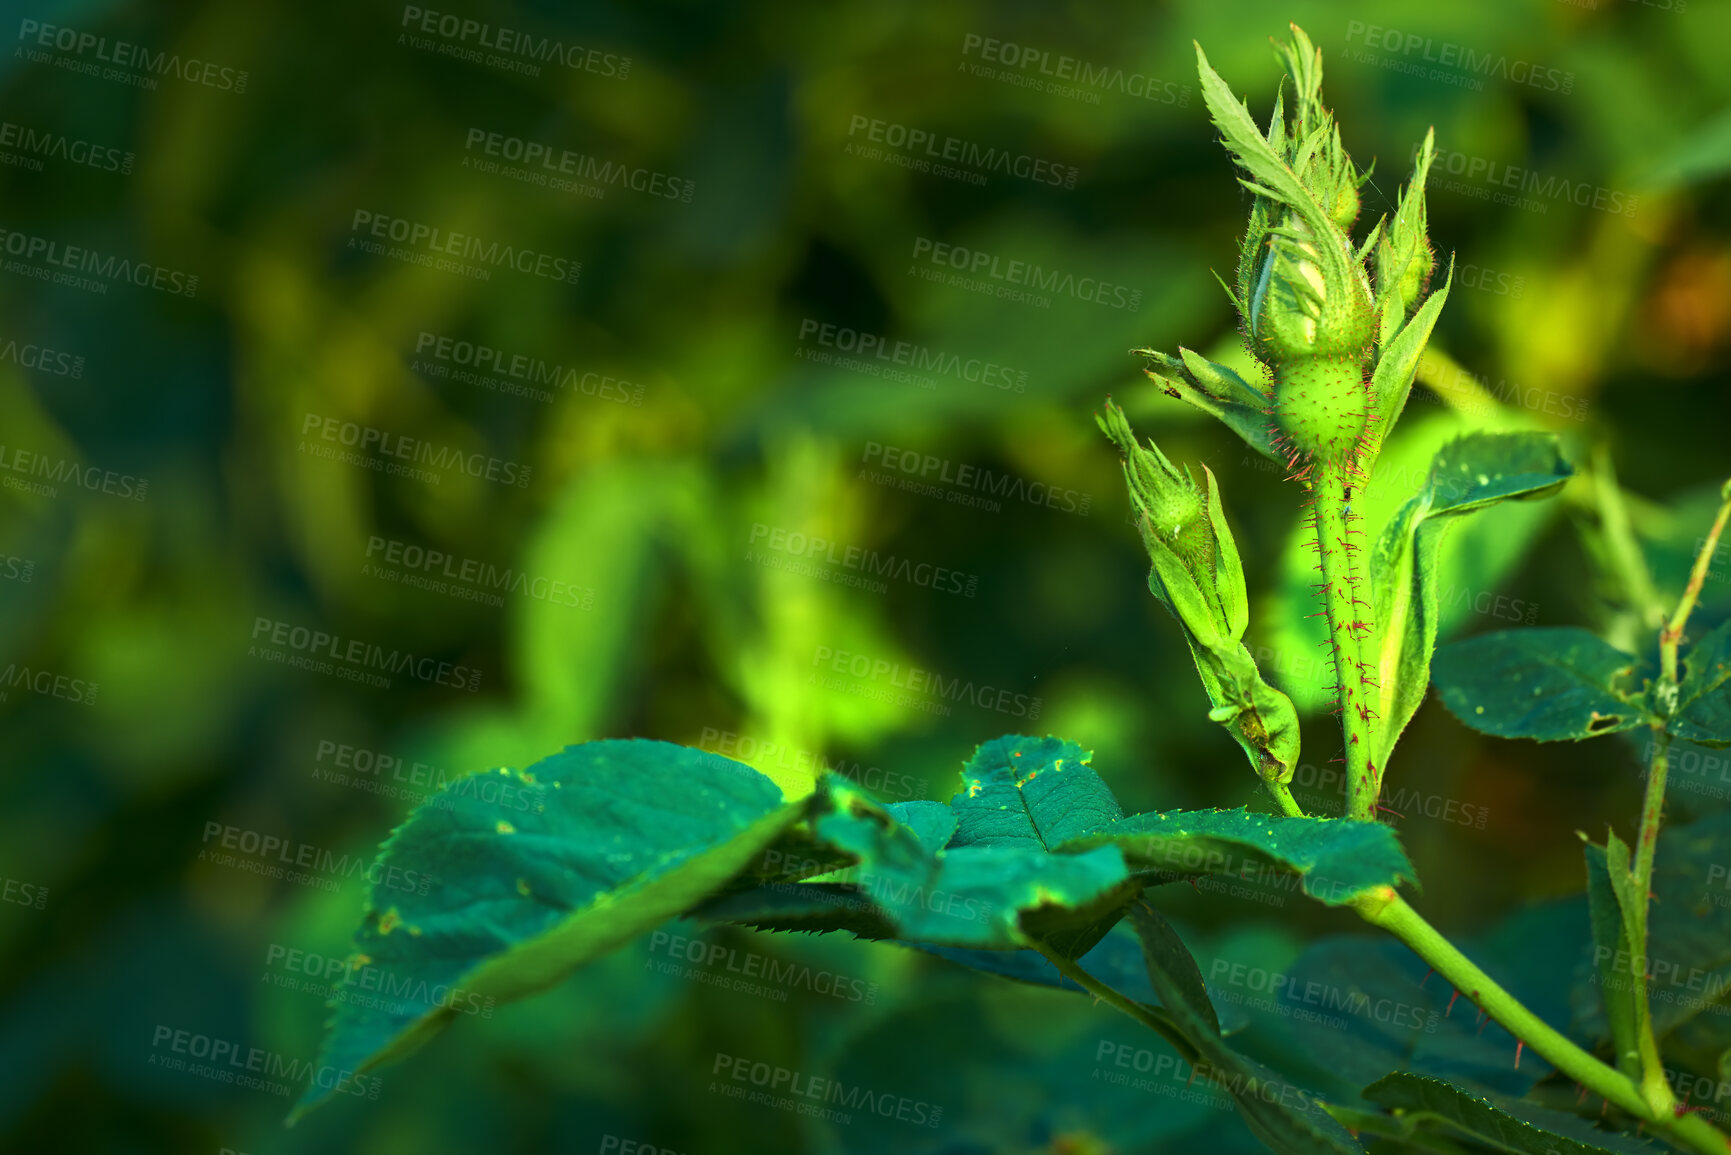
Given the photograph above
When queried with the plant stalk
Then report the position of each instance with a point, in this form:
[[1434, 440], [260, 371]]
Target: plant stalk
[[1283, 798], [1385, 908], [1347, 605], [1653, 1082], [1150, 1017]]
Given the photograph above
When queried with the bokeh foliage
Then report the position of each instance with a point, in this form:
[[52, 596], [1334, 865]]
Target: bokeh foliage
[[1621, 319]]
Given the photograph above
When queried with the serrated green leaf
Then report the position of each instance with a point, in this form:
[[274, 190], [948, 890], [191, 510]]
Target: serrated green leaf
[[1436, 1103], [1467, 474], [1335, 859], [631, 833], [1030, 792], [993, 893], [1546, 683], [1279, 1113], [1703, 713], [1611, 939]]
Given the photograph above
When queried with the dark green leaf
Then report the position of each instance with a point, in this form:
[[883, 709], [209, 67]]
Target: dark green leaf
[[1436, 1103], [1335, 859], [1351, 1007], [630, 834], [1703, 714], [1546, 683], [1284, 1116], [1012, 1069], [1027, 792], [988, 895]]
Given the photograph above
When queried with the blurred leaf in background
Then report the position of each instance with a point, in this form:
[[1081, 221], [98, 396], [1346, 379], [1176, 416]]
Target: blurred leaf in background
[[390, 395]]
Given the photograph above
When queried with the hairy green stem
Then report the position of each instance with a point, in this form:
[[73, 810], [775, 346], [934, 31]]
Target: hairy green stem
[[1385, 908], [1346, 601]]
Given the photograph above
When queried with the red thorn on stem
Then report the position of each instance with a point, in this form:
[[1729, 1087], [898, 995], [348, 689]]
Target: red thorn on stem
[[1519, 1044], [1429, 971], [1451, 1005]]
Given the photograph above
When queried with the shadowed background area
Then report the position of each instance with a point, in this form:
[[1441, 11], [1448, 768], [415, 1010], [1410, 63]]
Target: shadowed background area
[[419, 400]]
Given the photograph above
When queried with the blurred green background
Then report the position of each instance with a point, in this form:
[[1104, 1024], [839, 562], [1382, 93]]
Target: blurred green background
[[723, 384]]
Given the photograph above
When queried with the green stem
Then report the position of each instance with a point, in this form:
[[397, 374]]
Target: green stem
[[1347, 603], [1385, 908], [1283, 798], [1151, 1017], [1653, 1083]]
